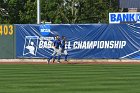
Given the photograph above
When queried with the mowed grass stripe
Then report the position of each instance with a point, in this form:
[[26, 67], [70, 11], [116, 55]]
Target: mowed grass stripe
[[70, 78]]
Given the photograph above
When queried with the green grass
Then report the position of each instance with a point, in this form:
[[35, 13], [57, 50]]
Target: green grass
[[68, 78]]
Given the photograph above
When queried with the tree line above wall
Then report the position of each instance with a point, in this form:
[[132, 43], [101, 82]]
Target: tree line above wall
[[58, 11]]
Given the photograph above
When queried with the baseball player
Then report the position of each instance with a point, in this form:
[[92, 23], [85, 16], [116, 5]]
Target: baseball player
[[63, 50], [56, 44]]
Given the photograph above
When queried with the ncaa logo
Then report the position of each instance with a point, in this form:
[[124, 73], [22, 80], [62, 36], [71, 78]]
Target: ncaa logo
[[30, 45], [45, 29]]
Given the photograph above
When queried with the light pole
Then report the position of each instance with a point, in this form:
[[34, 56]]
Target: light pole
[[38, 12]]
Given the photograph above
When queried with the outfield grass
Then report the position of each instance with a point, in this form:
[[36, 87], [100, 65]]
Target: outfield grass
[[68, 78]]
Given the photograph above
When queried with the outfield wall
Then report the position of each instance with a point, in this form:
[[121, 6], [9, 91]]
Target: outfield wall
[[85, 41], [7, 41]]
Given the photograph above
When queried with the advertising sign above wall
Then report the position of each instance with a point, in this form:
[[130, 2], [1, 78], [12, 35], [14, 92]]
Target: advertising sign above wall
[[129, 17]]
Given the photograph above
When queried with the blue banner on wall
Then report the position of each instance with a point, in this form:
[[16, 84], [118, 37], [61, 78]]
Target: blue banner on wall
[[84, 41]]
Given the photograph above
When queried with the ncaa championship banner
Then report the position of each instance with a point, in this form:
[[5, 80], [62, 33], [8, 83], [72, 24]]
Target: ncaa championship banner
[[128, 17], [84, 41]]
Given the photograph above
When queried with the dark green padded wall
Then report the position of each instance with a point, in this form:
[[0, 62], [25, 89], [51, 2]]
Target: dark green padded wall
[[6, 41]]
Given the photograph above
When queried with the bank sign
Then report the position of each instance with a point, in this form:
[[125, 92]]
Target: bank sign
[[129, 17]]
